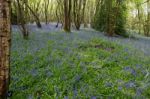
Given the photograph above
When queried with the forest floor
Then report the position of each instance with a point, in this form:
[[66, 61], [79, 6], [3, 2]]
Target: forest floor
[[139, 42], [83, 64]]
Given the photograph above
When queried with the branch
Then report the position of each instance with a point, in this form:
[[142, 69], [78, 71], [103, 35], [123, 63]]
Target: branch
[[144, 2]]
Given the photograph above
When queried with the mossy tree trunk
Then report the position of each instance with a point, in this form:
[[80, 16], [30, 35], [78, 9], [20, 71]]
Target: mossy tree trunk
[[4, 46]]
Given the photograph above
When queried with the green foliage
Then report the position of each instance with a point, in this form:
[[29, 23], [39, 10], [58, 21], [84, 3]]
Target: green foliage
[[99, 21], [121, 20], [111, 16], [13, 18]]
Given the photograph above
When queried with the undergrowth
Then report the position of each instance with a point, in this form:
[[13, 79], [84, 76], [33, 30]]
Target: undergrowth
[[65, 68]]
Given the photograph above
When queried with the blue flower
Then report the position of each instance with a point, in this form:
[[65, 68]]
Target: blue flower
[[127, 68], [133, 72], [130, 84], [30, 96], [66, 97], [119, 81], [93, 97], [49, 74], [138, 66], [126, 57], [139, 91], [75, 92], [34, 72], [78, 78], [108, 84], [126, 49], [120, 88]]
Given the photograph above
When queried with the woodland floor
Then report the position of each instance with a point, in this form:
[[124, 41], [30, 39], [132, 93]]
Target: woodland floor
[[84, 64]]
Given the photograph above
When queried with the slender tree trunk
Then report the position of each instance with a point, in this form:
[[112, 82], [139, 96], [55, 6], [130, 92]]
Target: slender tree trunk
[[36, 17], [4, 46], [78, 11], [83, 15], [67, 15], [22, 20], [26, 11], [46, 4], [57, 16], [110, 18], [147, 21], [139, 18], [148, 18]]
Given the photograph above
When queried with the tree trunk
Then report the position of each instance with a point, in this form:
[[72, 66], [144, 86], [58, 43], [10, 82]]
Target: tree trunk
[[139, 18], [67, 15], [110, 19], [148, 18], [83, 14], [36, 17], [4, 46], [147, 22], [78, 11], [22, 20], [46, 4]]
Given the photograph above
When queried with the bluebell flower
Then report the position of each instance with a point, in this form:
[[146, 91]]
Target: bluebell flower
[[75, 92], [130, 84], [120, 88], [144, 72], [139, 92], [127, 68], [108, 84], [66, 97], [23, 88], [133, 72], [49, 74], [126, 49], [138, 66], [119, 80], [34, 72], [30, 96], [93, 97], [78, 78], [126, 57], [14, 78]]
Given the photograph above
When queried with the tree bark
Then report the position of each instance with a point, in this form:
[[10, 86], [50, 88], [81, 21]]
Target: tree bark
[[79, 11], [46, 6], [147, 22], [67, 15], [148, 18], [110, 19], [4, 46]]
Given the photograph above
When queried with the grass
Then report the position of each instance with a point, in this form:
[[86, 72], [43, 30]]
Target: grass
[[70, 66]]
